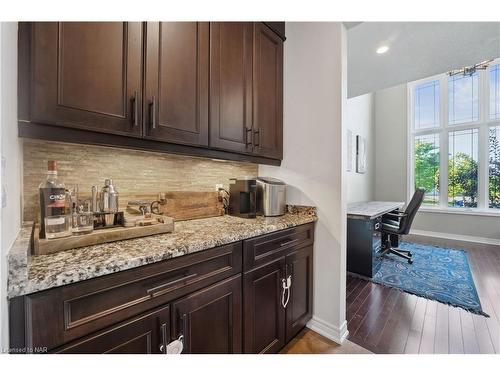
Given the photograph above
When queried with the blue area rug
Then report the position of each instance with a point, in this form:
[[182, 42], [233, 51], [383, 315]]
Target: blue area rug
[[437, 273]]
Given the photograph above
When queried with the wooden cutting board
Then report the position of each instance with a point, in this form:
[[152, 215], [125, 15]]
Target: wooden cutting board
[[188, 205]]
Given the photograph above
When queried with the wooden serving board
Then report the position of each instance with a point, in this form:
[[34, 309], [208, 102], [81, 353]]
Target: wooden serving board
[[188, 205], [43, 246]]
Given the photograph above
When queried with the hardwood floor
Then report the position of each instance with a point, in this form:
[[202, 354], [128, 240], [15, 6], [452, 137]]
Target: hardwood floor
[[385, 320], [310, 342]]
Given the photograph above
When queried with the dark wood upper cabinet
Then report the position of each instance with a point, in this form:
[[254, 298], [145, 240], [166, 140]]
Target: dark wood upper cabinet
[[246, 89], [210, 320], [176, 82], [264, 324], [146, 334], [267, 92], [87, 75], [299, 265], [231, 45], [196, 88], [278, 28]]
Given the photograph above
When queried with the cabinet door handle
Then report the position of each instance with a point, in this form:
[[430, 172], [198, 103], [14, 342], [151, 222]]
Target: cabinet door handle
[[286, 284], [152, 108], [256, 132], [248, 137], [135, 109], [164, 340]]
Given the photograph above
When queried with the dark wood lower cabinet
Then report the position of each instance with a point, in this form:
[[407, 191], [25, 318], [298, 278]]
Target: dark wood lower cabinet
[[264, 327], [299, 265], [210, 320], [219, 300], [277, 287], [143, 335]]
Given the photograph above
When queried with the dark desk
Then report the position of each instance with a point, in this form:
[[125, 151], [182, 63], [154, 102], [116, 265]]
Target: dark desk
[[363, 236]]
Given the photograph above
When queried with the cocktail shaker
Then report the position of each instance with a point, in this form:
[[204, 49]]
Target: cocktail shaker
[[108, 201]]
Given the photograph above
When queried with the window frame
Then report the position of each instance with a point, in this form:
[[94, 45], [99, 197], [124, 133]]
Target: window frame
[[483, 125]]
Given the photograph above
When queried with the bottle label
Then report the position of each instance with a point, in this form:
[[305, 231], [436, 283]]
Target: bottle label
[[56, 200], [55, 220]]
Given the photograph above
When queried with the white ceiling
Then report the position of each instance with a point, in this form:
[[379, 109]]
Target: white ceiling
[[350, 25], [416, 50]]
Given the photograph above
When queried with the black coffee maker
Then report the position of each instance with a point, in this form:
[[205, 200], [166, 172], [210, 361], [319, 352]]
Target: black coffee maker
[[243, 197]]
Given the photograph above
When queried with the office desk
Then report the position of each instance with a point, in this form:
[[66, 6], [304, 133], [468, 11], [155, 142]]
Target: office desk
[[364, 239]]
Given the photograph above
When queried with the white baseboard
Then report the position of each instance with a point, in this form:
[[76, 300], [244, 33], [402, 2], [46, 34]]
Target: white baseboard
[[458, 237], [334, 333]]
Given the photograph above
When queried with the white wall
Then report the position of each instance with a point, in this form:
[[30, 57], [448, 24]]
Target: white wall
[[390, 144], [391, 171], [11, 158], [359, 117], [314, 94]]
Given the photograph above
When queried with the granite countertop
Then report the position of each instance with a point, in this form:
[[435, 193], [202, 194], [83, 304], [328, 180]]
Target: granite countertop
[[28, 274], [372, 209]]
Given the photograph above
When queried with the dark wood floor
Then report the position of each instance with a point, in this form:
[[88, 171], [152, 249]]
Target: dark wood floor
[[385, 320]]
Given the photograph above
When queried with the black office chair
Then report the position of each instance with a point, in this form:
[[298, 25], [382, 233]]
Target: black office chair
[[401, 225]]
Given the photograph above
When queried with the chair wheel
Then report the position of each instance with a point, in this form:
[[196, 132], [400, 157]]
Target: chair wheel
[[410, 254], [410, 261]]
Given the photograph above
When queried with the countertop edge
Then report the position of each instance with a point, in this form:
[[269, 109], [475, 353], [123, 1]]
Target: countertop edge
[[19, 284]]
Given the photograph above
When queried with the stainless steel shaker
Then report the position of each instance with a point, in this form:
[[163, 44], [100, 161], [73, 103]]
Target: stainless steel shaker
[[108, 201]]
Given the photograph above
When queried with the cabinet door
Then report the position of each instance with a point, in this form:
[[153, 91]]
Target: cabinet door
[[210, 320], [268, 93], [299, 265], [145, 334], [176, 82], [87, 75], [231, 85], [264, 326]]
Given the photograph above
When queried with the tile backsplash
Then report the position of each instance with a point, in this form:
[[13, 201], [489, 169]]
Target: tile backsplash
[[133, 172]]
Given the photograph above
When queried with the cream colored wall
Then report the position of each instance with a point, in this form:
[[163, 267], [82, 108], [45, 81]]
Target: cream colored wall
[[133, 172], [11, 159], [314, 100], [359, 119]]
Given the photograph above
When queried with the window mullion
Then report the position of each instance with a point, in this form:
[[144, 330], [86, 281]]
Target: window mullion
[[443, 142], [410, 164], [483, 154]]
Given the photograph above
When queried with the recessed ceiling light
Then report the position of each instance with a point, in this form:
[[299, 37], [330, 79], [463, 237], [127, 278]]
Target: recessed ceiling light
[[382, 49]]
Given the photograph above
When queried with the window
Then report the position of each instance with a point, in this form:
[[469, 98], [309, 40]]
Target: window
[[495, 92], [494, 168], [427, 166], [427, 105], [455, 140], [463, 99], [462, 168]]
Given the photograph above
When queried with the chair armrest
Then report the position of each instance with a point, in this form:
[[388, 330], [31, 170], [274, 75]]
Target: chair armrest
[[399, 214]]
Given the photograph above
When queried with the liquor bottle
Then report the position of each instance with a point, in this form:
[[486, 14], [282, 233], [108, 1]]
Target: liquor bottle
[[55, 217]]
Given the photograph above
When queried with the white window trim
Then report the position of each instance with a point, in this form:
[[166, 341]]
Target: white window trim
[[483, 125]]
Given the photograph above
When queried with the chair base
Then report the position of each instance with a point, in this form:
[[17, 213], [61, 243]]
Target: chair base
[[388, 249]]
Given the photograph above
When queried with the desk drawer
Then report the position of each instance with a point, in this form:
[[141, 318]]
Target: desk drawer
[[66, 313], [261, 250]]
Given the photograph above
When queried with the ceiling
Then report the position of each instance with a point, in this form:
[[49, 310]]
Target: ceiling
[[350, 25], [416, 50]]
